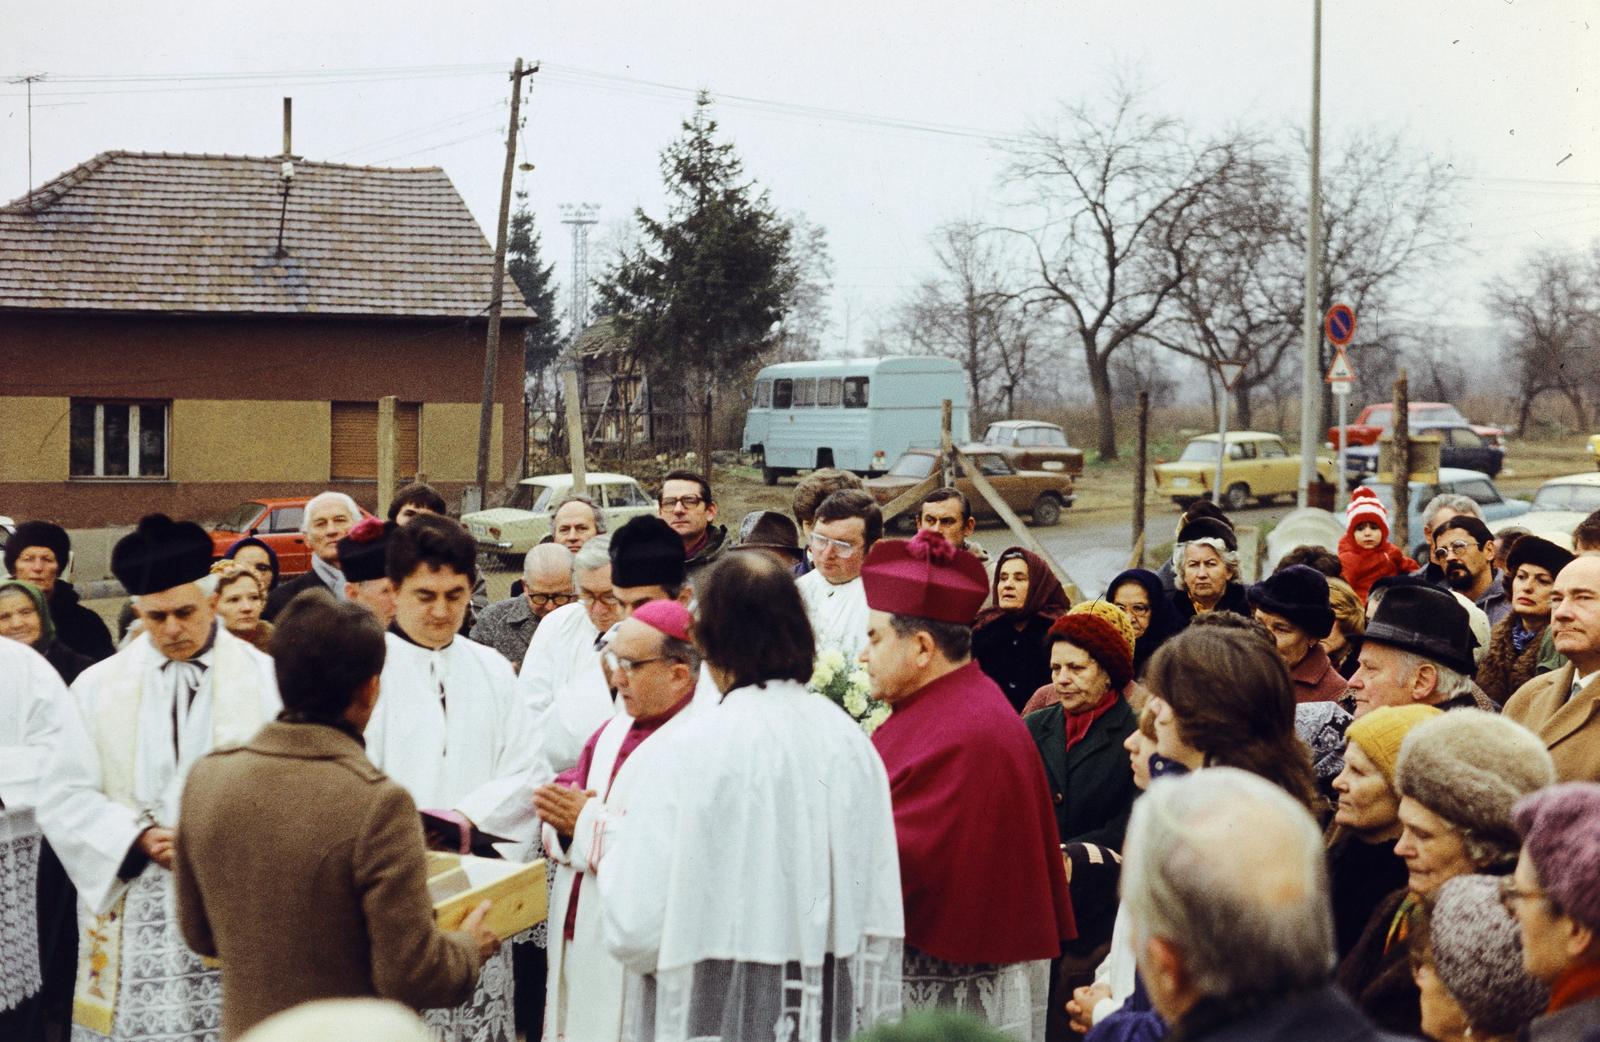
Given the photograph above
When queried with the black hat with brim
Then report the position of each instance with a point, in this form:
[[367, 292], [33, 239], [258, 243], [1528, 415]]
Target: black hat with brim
[[1298, 593], [1426, 621], [769, 530], [646, 552], [161, 554]]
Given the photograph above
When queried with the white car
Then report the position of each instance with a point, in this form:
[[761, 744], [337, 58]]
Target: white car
[[514, 529], [1558, 507], [7, 526]]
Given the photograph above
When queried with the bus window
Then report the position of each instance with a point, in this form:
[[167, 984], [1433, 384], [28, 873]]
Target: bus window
[[805, 394], [781, 392], [763, 394], [828, 393], [855, 392]]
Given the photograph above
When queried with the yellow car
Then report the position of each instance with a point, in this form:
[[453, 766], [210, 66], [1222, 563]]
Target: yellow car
[[1594, 449], [1257, 466]]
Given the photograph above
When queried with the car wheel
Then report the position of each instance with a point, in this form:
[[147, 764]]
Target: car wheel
[[770, 475], [1047, 511], [1266, 501], [1237, 496]]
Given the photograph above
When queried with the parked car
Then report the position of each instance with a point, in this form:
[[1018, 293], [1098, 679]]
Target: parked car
[[1460, 445], [1043, 494], [1257, 466], [1594, 449], [509, 532], [1473, 484], [1379, 417], [1034, 445], [1559, 505], [7, 526], [275, 522]]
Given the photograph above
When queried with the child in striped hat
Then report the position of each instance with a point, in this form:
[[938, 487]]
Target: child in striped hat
[[1365, 553]]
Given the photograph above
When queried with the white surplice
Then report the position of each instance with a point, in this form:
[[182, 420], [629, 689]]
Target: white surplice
[[562, 685], [755, 882], [128, 736], [838, 614], [582, 968]]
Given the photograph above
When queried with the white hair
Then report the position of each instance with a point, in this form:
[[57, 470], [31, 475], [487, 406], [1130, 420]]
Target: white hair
[[1230, 558], [547, 558], [594, 554], [322, 499], [1229, 869], [1447, 682]]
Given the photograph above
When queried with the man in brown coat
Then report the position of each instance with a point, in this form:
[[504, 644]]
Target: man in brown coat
[[301, 865], [1563, 707]]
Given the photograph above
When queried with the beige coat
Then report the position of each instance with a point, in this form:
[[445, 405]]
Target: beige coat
[[301, 866], [1571, 729]]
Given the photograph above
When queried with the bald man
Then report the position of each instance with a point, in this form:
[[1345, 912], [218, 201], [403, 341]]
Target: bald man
[[507, 626]]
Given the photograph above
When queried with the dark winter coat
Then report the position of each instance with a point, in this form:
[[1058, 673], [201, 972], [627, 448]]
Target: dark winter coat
[[1233, 599], [78, 627], [1091, 785], [1380, 981], [1360, 876], [1502, 670], [279, 598], [1320, 1015], [1017, 660], [66, 661], [710, 552]]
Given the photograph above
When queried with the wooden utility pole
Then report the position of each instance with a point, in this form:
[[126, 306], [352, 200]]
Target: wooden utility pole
[[1400, 520], [569, 390], [1136, 555], [705, 440], [947, 463], [386, 451], [491, 352]]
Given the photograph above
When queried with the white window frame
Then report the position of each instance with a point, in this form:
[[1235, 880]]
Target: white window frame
[[134, 410]]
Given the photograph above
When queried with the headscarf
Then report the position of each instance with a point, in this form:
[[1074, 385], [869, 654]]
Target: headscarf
[[1045, 597], [250, 540], [47, 626], [1164, 618]]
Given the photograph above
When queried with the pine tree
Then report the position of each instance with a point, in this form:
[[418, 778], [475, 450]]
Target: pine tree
[[525, 262]]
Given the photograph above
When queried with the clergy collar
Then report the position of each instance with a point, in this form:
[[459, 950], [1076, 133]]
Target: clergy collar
[[656, 722], [394, 627]]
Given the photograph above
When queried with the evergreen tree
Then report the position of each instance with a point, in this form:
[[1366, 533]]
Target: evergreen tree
[[702, 294], [525, 262]]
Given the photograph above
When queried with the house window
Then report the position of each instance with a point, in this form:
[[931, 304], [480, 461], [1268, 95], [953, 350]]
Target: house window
[[118, 439], [354, 448]]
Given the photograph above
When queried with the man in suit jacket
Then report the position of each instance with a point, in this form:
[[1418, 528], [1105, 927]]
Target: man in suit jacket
[[301, 865], [1563, 707]]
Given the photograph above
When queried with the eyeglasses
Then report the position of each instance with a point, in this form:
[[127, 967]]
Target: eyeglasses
[[687, 502], [1135, 609], [606, 599], [539, 600], [615, 662], [1456, 548], [841, 549], [1511, 895]]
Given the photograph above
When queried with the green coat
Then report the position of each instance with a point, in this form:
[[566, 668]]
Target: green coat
[[1091, 786]]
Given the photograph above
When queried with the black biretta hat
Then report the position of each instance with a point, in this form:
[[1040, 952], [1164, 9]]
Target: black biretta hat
[[160, 554], [363, 550], [646, 552]]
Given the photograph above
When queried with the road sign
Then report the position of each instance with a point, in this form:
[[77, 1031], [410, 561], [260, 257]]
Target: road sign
[[1230, 372], [1340, 372], [1339, 325]]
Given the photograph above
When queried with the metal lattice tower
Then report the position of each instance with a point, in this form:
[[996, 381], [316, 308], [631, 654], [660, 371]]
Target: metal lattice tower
[[580, 216]]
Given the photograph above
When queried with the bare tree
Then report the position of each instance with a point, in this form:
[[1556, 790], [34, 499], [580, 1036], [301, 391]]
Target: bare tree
[[970, 309], [1552, 306], [1112, 187], [805, 319]]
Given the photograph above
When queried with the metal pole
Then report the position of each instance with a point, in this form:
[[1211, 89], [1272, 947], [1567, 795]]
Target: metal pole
[[1142, 461], [1341, 494], [1310, 369], [1222, 444]]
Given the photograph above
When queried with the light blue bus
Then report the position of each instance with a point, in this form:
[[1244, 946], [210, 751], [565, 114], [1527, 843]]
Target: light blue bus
[[856, 414]]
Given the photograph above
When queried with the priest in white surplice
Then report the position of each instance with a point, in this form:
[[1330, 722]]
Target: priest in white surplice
[[451, 728], [656, 668], [133, 727], [752, 890], [847, 524]]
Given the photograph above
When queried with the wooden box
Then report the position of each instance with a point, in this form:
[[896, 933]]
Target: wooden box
[[458, 882]]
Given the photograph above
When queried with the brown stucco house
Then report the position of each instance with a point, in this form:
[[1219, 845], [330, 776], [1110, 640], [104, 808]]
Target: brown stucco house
[[159, 350]]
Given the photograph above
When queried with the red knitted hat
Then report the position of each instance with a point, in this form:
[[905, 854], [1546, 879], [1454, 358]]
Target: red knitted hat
[[1101, 640], [1366, 506]]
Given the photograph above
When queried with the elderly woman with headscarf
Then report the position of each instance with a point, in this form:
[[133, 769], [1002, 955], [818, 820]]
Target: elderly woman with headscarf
[[1458, 776], [1148, 605], [1206, 568], [1293, 605], [1514, 643], [25, 618], [38, 552], [1008, 638], [256, 555]]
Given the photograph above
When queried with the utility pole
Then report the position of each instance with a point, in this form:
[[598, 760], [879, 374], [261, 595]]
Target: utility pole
[[491, 351], [1311, 328], [30, 81]]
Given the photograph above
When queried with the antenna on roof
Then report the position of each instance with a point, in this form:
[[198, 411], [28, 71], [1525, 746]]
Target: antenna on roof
[[30, 81], [286, 171]]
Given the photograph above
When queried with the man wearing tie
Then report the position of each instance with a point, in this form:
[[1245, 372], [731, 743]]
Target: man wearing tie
[[1563, 707]]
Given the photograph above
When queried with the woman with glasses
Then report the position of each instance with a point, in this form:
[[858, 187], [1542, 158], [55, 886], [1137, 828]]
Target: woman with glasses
[[1458, 775], [1147, 603], [1008, 637]]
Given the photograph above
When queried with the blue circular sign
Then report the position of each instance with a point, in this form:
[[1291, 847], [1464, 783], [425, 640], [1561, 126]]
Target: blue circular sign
[[1340, 324]]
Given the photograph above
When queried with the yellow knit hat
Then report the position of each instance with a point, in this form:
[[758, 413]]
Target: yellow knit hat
[[1380, 732], [1110, 613]]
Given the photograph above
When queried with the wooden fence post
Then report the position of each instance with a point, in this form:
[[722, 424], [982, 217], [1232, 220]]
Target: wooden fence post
[[580, 480], [705, 441], [386, 452]]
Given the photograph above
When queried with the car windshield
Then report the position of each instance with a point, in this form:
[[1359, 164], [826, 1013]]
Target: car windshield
[[1580, 498], [1199, 452], [912, 465], [997, 435], [238, 519], [535, 498]]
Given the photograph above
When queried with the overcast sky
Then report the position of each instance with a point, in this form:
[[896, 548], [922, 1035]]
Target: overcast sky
[[875, 119]]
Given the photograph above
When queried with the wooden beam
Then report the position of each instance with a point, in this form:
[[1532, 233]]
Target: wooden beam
[[910, 498], [580, 478], [386, 452], [1013, 522]]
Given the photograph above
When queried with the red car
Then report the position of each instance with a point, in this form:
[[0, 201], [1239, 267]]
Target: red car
[[275, 522], [1379, 417]]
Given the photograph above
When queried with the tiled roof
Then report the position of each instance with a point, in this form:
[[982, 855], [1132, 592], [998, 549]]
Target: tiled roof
[[140, 231]]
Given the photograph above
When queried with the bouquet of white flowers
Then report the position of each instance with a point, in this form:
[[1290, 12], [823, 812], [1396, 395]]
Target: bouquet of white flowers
[[845, 683]]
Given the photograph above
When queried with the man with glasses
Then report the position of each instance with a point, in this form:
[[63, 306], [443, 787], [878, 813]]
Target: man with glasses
[[847, 523], [686, 505], [656, 668], [1463, 550], [507, 626]]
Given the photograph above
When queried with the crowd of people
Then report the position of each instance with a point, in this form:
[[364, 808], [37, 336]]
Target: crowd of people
[[797, 779]]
